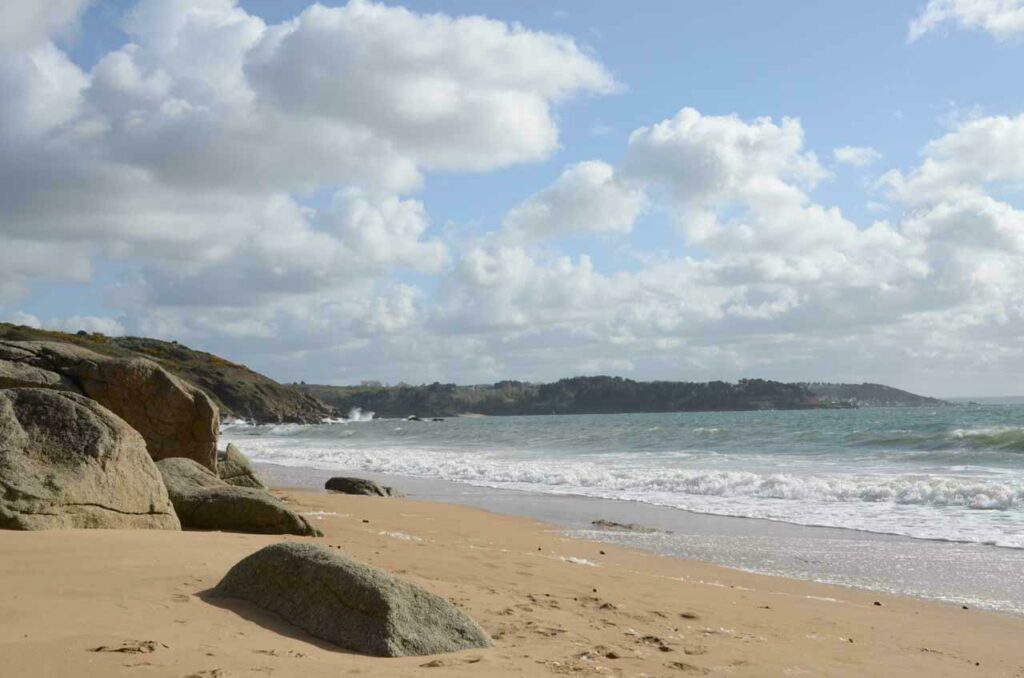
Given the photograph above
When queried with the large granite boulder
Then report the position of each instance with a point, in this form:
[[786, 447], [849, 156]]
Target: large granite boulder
[[66, 461], [234, 469], [358, 607], [175, 418], [360, 486], [205, 502], [19, 375]]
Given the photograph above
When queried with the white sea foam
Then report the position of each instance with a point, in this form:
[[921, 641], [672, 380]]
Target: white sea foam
[[983, 509]]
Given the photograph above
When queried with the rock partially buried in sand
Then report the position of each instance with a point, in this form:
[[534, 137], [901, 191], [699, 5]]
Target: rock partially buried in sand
[[355, 606], [360, 486], [67, 461], [175, 418], [205, 502], [234, 469]]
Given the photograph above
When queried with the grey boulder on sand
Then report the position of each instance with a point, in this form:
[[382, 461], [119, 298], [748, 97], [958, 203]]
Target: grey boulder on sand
[[205, 502], [67, 461], [234, 469], [175, 418], [355, 606], [360, 486]]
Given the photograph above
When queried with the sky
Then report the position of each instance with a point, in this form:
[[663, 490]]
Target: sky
[[466, 192]]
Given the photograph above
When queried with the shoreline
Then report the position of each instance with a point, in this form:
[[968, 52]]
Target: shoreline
[[554, 604], [951, 572]]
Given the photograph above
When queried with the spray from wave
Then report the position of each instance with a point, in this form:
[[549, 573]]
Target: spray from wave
[[357, 414]]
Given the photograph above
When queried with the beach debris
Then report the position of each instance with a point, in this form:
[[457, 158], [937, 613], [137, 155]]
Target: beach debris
[[131, 647], [286, 653], [877, 604], [578, 561], [450, 661], [402, 536], [612, 525], [353, 605]]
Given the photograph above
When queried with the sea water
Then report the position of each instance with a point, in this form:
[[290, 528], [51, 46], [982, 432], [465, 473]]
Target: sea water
[[949, 478]]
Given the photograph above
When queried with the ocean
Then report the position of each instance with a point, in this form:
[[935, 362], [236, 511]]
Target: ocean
[[938, 492]]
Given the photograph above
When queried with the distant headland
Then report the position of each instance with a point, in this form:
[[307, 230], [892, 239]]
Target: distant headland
[[245, 394]]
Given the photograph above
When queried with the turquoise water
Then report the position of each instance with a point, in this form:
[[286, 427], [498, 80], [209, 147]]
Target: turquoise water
[[951, 473]]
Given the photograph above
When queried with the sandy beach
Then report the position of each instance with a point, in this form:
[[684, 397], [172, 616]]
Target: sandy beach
[[554, 606]]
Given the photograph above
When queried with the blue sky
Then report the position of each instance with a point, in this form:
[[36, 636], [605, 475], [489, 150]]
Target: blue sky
[[444, 245]]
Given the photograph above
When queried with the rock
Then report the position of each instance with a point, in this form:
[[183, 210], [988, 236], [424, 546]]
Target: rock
[[356, 606], [18, 375], [66, 461], [237, 391], [175, 418], [360, 486], [234, 469], [205, 502]]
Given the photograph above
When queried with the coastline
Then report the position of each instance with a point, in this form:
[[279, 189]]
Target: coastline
[[555, 605], [977, 575]]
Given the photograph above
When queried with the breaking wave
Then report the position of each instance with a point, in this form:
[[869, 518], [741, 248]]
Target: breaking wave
[[992, 438], [598, 479]]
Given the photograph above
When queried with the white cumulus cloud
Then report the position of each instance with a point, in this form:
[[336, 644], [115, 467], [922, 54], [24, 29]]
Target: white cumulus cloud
[[586, 198], [857, 156], [1003, 19]]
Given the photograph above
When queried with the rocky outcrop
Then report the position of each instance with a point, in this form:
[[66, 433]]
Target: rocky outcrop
[[360, 486], [175, 418], [356, 606], [205, 502], [234, 469], [66, 461], [18, 375], [237, 391]]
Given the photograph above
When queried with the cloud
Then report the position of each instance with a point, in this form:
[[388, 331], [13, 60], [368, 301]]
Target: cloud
[[256, 188], [26, 23], [979, 152], [180, 151], [1003, 19], [466, 93], [586, 198], [857, 156]]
